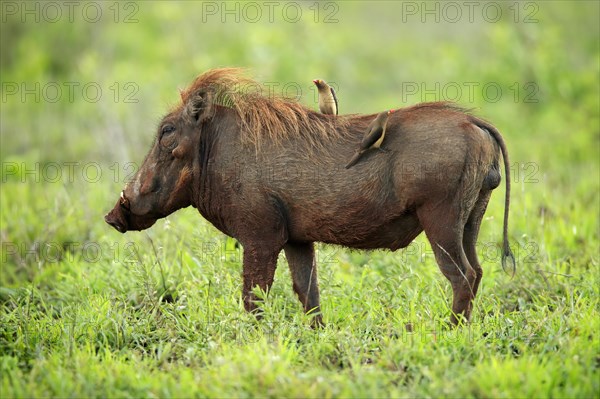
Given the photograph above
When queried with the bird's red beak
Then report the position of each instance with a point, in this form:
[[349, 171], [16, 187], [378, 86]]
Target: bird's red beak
[[315, 81]]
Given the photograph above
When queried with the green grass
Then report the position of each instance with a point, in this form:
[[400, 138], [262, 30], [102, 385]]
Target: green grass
[[158, 313], [88, 312]]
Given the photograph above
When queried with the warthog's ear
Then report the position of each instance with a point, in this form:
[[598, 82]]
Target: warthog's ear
[[199, 106]]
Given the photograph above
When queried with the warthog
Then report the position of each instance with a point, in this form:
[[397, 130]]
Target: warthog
[[270, 172]]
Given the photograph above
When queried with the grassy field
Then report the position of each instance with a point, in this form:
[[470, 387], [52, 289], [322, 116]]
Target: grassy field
[[88, 312]]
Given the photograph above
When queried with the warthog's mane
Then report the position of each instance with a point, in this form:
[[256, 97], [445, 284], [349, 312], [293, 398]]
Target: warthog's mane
[[263, 114], [267, 116]]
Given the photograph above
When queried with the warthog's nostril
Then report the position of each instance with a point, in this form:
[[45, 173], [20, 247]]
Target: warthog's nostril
[[115, 223], [124, 201]]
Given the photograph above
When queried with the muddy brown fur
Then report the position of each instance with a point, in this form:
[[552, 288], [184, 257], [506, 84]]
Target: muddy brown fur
[[270, 172]]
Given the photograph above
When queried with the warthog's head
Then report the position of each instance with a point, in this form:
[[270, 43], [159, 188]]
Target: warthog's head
[[163, 184]]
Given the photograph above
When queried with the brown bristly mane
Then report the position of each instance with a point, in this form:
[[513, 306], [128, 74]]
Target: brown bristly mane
[[265, 117]]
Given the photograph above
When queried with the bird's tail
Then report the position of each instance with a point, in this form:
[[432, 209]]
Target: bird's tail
[[354, 160]]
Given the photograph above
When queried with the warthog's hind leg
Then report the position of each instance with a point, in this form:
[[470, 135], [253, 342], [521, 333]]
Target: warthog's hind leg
[[470, 236], [444, 230]]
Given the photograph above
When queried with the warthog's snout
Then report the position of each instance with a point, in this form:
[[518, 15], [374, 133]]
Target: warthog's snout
[[117, 217], [123, 217]]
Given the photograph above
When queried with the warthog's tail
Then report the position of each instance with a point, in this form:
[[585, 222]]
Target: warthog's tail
[[506, 251]]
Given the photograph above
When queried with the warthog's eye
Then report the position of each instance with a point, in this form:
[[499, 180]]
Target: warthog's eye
[[167, 129], [167, 139]]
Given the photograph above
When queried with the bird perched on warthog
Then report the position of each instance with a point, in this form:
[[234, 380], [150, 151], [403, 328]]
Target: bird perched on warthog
[[228, 152], [373, 138], [328, 103]]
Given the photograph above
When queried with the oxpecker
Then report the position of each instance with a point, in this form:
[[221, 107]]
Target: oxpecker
[[373, 138], [328, 103]]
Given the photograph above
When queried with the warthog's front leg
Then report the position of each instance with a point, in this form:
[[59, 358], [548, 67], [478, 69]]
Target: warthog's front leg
[[259, 269], [301, 259]]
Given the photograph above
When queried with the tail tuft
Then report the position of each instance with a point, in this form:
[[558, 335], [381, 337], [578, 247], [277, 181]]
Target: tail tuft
[[507, 254]]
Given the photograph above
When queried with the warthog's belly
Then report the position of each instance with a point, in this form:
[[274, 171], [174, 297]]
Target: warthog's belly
[[398, 233], [393, 234]]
